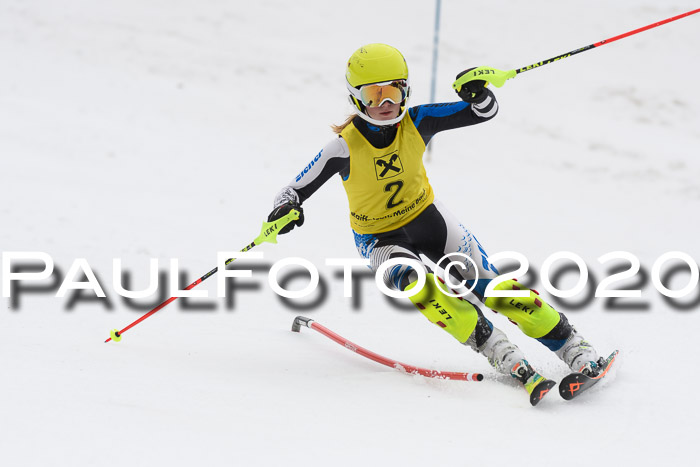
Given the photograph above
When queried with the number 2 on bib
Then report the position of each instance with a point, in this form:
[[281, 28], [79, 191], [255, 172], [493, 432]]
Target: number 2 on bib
[[389, 188]]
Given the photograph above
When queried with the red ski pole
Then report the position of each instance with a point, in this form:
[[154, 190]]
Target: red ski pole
[[268, 233], [499, 77], [605, 41], [414, 370]]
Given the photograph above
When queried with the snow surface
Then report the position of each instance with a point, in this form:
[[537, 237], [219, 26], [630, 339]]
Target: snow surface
[[163, 129]]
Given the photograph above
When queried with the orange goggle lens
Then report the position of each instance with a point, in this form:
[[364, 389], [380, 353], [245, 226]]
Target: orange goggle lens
[[374, 95]]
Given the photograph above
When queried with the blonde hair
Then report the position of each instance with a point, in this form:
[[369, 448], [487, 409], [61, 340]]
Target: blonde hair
[[337, 129]]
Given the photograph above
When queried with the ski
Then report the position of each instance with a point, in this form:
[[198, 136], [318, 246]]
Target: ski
[[540, 390], [574, 384]]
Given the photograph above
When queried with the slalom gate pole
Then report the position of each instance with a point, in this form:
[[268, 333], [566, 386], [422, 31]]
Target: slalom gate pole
[[499, 77], [268, 233], [410, 369]]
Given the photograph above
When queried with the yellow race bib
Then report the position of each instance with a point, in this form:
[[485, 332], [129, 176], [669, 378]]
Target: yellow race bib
[[387, 188]]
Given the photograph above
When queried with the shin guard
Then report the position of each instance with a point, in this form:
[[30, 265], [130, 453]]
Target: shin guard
[[455, 315], [532, 314]]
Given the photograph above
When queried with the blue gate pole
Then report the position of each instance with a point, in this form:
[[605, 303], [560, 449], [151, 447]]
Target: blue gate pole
[[436, 40]]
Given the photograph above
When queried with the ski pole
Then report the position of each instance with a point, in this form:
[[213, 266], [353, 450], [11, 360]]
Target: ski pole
[[410, 369], [499, 77], [268, 233]]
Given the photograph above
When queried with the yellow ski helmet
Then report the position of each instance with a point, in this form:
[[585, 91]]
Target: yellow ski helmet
[[376, 63]]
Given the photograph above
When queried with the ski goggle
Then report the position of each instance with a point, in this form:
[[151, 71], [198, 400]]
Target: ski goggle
[[374, 95]]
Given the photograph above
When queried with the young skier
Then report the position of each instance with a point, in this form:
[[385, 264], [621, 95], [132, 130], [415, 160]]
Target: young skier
[[393, 213]]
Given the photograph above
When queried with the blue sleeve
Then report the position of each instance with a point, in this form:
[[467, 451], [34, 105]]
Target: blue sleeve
[[431, 119]]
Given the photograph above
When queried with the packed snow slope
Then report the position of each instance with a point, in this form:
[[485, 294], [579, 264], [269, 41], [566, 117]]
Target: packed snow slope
[[163, 129]]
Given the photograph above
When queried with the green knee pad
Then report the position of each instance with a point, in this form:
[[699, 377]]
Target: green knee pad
[[454, 315], [532, 314]]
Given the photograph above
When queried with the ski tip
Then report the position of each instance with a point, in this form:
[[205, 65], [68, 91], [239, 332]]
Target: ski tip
[[540, 391], [576, 383], [570, 386]]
